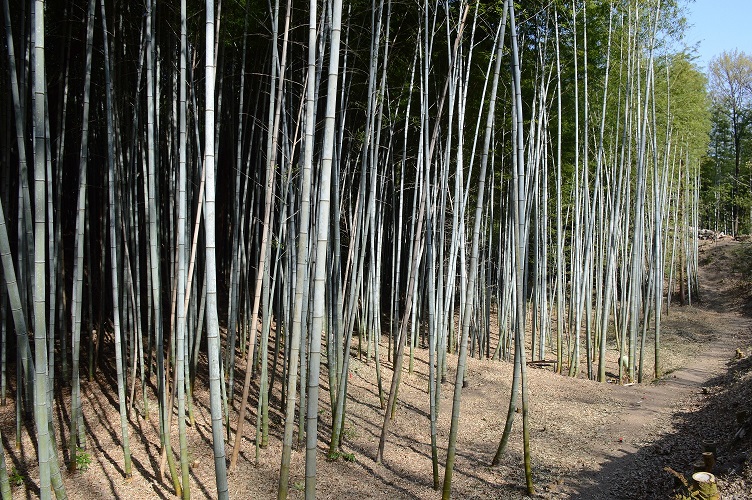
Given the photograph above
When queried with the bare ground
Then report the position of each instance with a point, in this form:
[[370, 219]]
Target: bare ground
[[589, 440]]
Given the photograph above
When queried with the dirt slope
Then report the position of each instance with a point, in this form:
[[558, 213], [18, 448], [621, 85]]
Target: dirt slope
[[589, 440]]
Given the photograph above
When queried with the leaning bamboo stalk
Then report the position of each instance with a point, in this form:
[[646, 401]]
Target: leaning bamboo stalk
[[78, 251], [520, 223], [473, 268]]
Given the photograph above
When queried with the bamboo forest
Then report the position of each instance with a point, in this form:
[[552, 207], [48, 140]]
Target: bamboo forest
[[335, 248]]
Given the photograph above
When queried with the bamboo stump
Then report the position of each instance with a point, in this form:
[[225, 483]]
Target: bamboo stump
[[709, 461], [704, 484], [710, 446]]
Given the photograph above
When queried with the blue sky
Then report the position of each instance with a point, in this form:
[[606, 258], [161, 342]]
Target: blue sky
[[719, 25]]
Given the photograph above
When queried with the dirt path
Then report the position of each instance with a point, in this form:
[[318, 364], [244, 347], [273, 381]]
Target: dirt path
[[655, 415]]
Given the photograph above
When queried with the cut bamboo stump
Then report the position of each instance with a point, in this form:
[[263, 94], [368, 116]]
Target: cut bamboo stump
[[703, 483], [710, 446]]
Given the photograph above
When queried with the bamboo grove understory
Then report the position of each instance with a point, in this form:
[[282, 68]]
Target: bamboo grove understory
[[271, 189]]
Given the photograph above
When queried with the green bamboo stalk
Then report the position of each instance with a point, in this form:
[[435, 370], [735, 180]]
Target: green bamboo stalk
[[114, 252]]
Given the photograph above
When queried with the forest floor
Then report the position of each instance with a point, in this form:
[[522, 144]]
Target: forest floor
[[589, 440]]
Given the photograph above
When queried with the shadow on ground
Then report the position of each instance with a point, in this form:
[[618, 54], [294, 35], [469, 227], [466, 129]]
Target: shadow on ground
[[706, 416]]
